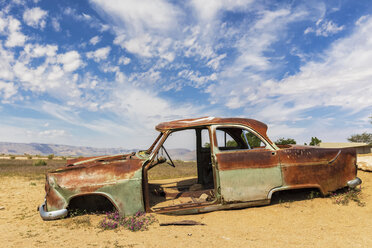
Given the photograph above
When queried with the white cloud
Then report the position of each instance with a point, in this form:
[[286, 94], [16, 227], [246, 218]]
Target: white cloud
[[7, 90], [341, 78], [35, 51], [240, 80], [87, 17], [142, 27], [144, 109], [140, 15], [99, 54], [55, 24], [6, 64], [3, 24], [94, 40], [215, 62], [147, 78], [324, 28], [338, 81], [140, 45], [124, 60], [197, 43], [104, 27], [15, 37], [52, 133], [209, 9], [51, 75], [35, 17], [71, 61], [260, 36], [147, 46], [196, 77]]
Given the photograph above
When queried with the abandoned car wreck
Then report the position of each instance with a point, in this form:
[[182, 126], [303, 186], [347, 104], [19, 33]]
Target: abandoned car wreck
[[236, 166]]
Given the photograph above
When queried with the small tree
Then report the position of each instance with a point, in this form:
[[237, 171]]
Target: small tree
[[364, 138], [283, 141], [50, 156], [231, 143], [253, 140], [39, 162], [315, 141]]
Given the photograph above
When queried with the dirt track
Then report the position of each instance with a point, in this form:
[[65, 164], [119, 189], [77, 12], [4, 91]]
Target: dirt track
[[314, 222]]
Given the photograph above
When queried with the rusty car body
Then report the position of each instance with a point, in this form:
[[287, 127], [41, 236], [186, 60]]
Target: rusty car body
[[246, 173]]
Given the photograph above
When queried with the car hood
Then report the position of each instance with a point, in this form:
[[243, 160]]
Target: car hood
[[84, 174], [122, 162], [99, 159]]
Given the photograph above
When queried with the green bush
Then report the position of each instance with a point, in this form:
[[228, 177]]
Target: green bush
[[50, 156], [315, 141], [12, 157], [283, 141], [39, 162]]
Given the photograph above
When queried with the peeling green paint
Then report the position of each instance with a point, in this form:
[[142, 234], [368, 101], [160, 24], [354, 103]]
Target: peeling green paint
[[126, 194], [249, 184]]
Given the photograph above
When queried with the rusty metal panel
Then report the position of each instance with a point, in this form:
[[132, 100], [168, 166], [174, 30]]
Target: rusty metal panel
[[247, 159], [258, 126], [330, 169], [119, 178]]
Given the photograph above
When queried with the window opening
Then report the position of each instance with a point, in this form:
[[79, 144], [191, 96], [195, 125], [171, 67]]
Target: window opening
[[235, 138]]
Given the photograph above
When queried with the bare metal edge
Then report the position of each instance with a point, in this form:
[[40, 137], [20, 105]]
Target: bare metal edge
[[355, 182], [52, 215]]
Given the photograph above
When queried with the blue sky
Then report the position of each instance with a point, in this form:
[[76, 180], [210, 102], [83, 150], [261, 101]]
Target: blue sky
[[103, 73]]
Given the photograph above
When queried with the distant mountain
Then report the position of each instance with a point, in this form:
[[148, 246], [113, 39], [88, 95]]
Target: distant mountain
[[182, 154], [58, 150], [66, 150]]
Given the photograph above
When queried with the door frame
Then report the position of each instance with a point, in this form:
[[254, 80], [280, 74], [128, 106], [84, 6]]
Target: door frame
[[274, 172]]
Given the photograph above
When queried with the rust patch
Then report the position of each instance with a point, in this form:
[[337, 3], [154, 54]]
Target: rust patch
[[90, 176], [258, 126], [317, 166], [91, 160], [247, 159], [54, 201]]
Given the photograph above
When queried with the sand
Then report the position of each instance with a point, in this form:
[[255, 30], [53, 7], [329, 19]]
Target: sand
[[314, 222]]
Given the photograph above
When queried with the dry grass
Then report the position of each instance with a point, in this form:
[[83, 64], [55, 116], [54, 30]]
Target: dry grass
[[26, 168], [166, 171], [14, 167]]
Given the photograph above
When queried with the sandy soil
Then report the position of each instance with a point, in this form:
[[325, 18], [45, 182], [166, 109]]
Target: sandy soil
[[314, 222]]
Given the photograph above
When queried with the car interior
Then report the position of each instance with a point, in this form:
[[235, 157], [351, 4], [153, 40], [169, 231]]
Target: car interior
[[181, 175]]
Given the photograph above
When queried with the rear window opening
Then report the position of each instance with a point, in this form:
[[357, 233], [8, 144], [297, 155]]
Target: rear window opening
[[235, 138]]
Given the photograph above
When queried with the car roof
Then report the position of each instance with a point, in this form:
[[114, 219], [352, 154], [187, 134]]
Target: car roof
[[257, 126]]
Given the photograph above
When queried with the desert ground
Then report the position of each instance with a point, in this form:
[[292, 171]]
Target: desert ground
[[293, 220]]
